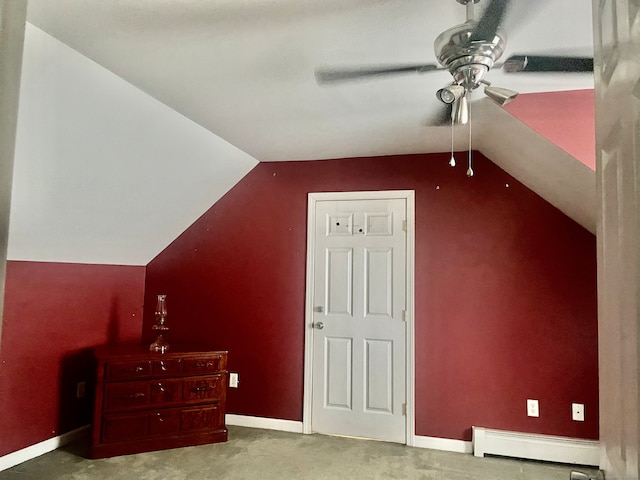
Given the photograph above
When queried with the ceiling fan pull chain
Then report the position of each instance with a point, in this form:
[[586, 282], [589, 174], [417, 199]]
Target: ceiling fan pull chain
[[452, 161], [470, 169]]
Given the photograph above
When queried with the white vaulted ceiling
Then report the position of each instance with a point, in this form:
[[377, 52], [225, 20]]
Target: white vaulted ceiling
[[137, 115], [244, 69], [103, 172]]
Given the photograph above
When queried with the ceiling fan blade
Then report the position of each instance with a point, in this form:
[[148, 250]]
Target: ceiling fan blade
[[334, 75], [544, 63], [491, 19]]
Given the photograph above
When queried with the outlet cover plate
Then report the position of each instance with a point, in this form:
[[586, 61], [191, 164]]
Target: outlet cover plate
[[233, 380], [533, 408], [577, 412]]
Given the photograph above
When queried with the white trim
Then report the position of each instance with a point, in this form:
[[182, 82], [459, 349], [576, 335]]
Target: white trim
[[410, 330], [263, 422], [46, 446], [307, 399], [536, 447], [409, 197], [446, 444]]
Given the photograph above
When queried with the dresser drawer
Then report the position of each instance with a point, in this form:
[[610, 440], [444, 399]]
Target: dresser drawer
[[125, 395], [201, 418], [127, 370], [202, 388], [166, 391], [202, 365], [139, 425], [120, 396], [124, 427], [164, 422], [169, 421], [169, 366]]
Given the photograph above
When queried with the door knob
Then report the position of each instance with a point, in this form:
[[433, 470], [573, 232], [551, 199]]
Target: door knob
[[318, 325]]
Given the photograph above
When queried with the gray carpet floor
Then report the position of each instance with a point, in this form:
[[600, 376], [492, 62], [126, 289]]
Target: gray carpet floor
[[266, 454]]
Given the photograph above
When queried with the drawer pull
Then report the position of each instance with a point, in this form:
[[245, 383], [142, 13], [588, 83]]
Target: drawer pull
[[163, 366], [134, 395], [205, 364], [201, 389], [161, 387], [136, 369]]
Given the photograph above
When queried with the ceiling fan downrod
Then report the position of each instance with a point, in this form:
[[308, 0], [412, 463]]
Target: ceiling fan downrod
[[470, 10]]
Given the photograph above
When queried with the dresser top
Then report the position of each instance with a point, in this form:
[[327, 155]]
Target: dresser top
[[137, 350]]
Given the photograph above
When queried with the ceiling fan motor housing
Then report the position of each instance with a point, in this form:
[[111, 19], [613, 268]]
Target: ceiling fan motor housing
[[468, 61]]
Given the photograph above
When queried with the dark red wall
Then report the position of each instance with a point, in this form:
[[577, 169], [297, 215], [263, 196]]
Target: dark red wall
[[505, 289], [54, 314]]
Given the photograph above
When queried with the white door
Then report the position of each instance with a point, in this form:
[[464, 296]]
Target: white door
[[359, 295], [617, 85]]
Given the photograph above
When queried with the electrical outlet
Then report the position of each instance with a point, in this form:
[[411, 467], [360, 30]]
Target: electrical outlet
[[80, 389], [532, 408], [577, 412], [233, 380]]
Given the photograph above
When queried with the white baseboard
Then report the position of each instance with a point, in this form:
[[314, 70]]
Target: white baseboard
[[536, 447], [263, 422], [433, 443], [46, 446], [446, 444]]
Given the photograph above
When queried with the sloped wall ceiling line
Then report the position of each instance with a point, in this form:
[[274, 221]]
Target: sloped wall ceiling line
[[105, 177], [565, 118], [104, 173], [552, 173]]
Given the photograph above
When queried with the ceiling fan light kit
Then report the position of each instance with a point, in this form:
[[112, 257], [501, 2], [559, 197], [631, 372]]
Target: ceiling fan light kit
[[450, 94], [469, 51], [460, 111]]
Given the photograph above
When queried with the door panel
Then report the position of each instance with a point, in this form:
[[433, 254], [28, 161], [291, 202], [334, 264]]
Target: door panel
[[339, 278], [358, 377], [338, 358], [378, 277], [379, 376]]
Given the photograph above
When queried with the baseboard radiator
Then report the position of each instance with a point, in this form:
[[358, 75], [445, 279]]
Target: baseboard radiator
[[535, 447]]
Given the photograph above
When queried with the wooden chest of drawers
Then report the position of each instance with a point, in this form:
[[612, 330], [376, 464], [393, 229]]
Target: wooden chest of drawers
[[151, 401]]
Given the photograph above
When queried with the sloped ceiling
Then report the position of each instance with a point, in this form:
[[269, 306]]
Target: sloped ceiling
[[238, 77], [244, 69], [560, 178], [105, 173]]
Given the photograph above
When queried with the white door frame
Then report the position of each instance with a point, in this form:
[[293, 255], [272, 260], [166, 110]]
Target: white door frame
[[409, 196]]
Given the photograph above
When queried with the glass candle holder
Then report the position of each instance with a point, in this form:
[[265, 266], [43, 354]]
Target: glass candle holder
[[160, 344]]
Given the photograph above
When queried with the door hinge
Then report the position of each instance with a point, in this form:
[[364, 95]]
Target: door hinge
[[404, 315], [404, 225], [404, 409]]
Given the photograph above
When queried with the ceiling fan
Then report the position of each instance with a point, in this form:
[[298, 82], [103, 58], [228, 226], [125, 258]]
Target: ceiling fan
[[468, 51]]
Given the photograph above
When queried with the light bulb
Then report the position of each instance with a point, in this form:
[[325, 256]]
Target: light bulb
[[447, 96], [452, 162], [469, 172]]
